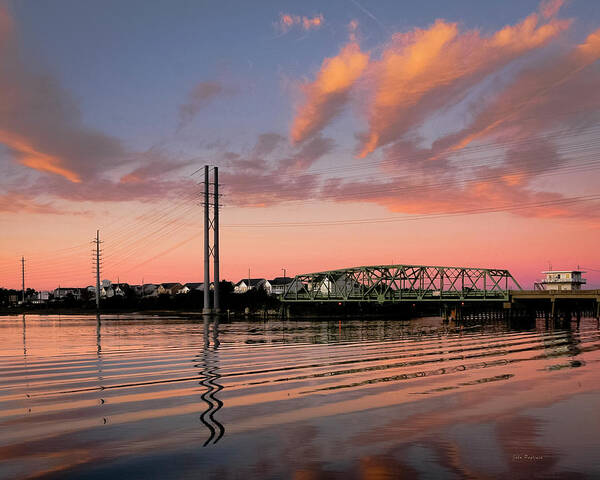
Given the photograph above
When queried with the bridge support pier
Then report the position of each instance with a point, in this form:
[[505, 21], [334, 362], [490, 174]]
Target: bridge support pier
[[444, 313]]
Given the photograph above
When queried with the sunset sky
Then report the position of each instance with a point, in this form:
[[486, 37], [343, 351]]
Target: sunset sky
[[346, 133]]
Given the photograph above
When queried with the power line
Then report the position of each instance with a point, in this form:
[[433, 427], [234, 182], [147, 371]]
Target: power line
[[361, 221]]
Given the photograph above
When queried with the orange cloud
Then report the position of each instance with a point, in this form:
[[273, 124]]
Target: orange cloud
[[478, 196], [40, 123], [325, 97], [440, 60], [549, 8], [288, 21], [32, 158], [535, 93]]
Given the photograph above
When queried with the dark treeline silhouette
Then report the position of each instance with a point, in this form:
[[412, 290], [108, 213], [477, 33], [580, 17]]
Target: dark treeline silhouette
[[254, 301], [10, 296]]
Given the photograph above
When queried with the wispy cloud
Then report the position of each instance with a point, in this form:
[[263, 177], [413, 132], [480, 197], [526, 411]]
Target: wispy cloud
[[423, 72], [424, 69], [41, 128], [325, 97], [273, 171], [199, 97], [550, 8], [417, 72], [16, 202], [517, 123], [288, 21], [40, 122]]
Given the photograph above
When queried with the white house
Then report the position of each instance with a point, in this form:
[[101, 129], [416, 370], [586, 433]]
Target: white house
[[562, 280], [145, 290], [279, 285], [250, 283], [64, 292], [41, 297], [107, 291], [341, 285], [189, 287], [195, 286]]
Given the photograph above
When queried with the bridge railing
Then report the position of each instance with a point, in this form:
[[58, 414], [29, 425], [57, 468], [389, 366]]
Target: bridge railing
[[399, 283]]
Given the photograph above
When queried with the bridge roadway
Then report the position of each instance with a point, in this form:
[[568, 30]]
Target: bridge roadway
[[542, 299], [385, 284]]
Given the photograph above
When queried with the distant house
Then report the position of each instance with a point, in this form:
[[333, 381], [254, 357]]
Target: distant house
[[561, 280], [120, 289], [91, 292], [169, 288], [279, 285], [107, 291], [195, 286], [64, 292], [145, 290], [149, 290], [41, 297], [339, 285], [251, 283]]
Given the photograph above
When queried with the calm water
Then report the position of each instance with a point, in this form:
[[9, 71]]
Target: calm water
[[141, 397]]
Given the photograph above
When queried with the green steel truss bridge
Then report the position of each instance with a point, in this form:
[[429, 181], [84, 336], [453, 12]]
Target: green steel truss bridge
[[402, 283]]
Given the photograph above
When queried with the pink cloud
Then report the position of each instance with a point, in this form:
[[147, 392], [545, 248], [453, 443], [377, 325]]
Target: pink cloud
[[288, 21], [420, 71], [326, 96], [41, 124]]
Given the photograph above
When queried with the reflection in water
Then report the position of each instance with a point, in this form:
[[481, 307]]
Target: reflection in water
[[209, 371], [98, 335], [25, 359], [24, 339], [99, 360], [311, 399]]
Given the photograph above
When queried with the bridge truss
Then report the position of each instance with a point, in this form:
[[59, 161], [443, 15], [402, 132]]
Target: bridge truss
[[401, 283]]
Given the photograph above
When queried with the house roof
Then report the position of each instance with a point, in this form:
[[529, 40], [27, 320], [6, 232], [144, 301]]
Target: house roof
[[170, 285], [193, 285], [251, 281], [564, 271], [281, 280]]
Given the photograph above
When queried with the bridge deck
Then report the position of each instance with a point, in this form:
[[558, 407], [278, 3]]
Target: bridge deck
[[551, 295], [386, 284]]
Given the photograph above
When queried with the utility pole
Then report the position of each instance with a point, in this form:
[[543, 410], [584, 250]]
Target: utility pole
[[217, 305], [206, 308], [283, 273], [96, 256], [23, 277], [211, 223]]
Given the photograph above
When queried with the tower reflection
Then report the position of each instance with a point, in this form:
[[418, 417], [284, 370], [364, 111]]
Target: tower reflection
[[208, 362]]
